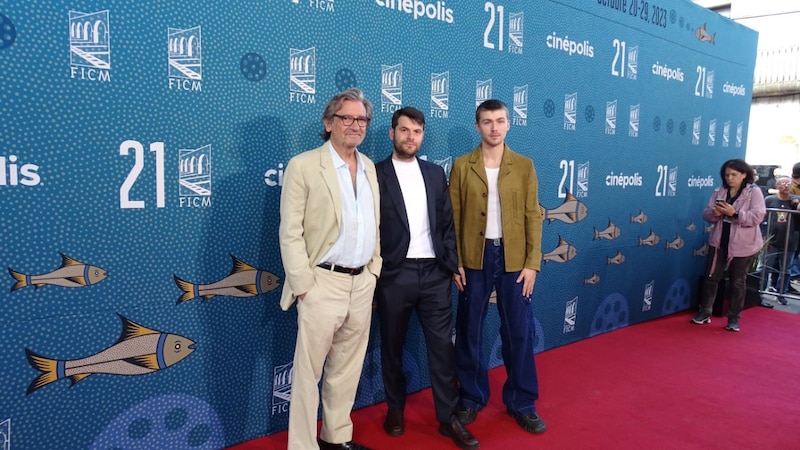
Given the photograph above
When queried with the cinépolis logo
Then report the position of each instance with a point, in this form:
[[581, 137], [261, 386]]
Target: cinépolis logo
[[419, 9], [14, 173]]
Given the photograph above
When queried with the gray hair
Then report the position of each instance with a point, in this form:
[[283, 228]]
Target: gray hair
[[352, 94]]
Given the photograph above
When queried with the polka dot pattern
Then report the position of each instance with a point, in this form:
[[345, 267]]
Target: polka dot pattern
[[88, 150]]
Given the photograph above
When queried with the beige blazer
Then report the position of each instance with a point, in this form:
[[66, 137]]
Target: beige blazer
[[311, 211]]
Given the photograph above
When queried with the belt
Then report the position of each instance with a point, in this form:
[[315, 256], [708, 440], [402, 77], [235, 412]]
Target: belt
[[420, 260], [496, 242], [340, 269]]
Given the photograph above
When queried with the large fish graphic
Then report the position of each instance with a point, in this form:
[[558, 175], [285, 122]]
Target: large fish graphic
[[71, 273], [651, 239], [611, 232], [571, 211], [675, 244], [702, 35], [639, 218], [562, 253], [243, 281], [619, 258], [138, 351]]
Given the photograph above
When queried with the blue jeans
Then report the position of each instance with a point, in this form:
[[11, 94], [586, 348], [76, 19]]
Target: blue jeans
[[521, 389], [774, 263]]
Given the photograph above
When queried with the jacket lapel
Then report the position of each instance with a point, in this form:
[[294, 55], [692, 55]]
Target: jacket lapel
[[328, 173], [429, 194], [476, 165], [395, 193]]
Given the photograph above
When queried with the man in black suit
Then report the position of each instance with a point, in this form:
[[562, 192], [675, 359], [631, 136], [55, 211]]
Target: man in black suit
[[418, 247]]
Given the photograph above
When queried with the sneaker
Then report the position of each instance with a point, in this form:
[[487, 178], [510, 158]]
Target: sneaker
[[771, 289], [733, 325], [701, 318], [531, 423], [794, 285], [782, 300], [466, 415]]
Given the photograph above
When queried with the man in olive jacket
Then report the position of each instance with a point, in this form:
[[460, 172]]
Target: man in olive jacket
[[498, 235]]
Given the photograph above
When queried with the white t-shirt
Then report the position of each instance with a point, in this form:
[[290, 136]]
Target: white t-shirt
[[416, 200]]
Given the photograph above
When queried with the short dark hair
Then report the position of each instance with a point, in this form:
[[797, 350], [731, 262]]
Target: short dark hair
[[490, 105], [412, 113], [740, 166], [335, 103]]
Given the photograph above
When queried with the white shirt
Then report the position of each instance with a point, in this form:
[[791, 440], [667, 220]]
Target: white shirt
[[494, 215], [415, 199], [356, 242]]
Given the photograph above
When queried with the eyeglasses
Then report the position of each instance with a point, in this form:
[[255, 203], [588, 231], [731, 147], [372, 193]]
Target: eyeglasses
[[348, 120]]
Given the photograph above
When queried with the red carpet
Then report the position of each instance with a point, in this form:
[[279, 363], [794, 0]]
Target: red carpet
[[663, 384]]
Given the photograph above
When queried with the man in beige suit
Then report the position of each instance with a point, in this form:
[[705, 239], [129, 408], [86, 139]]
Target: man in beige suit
[[331, 255]]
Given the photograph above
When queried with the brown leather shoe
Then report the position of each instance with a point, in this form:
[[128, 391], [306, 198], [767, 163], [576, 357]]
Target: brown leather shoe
[[460, 435], [393, 425]]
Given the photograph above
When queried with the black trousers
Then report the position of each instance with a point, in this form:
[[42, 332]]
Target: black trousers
[[424, 287], [737, 273]]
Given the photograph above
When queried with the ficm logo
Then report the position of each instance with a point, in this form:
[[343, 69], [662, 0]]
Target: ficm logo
[[12, 173], [700, 183], [572, 47]]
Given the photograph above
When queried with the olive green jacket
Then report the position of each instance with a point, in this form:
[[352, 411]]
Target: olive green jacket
[[519, 204]]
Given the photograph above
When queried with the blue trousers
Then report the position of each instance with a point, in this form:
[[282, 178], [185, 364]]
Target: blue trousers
[[521, 389]]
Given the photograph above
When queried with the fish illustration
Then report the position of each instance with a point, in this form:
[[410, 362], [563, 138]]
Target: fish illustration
[[571, 210], [702, 251], [611, 232], [139, 350], [594, 279], [72, 273], [691, 227], [619, 258], [562, 253], [639, 218], [675, 244], [702, 35], [651, 239], [708, 228], [243, 281]]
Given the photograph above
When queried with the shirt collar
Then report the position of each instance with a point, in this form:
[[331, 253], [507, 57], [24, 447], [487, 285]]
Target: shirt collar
[[338, 162]]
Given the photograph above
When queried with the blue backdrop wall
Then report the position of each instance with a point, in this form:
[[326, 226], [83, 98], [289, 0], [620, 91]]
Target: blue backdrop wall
[[142, 148]]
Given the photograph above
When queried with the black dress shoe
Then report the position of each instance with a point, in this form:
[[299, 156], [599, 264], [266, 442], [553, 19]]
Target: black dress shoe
[[466, 415], [456, 431], [531, 423], [344, 446], [393, 425]]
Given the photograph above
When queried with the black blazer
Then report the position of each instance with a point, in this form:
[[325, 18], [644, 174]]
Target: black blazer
[[394, 229]]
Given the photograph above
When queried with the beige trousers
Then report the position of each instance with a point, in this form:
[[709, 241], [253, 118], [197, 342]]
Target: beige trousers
[[333, 322]]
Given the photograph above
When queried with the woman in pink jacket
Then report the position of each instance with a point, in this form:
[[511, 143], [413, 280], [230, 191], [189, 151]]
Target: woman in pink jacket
[[735, 209]]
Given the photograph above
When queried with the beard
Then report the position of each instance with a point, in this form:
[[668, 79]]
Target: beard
[[401, 149]]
